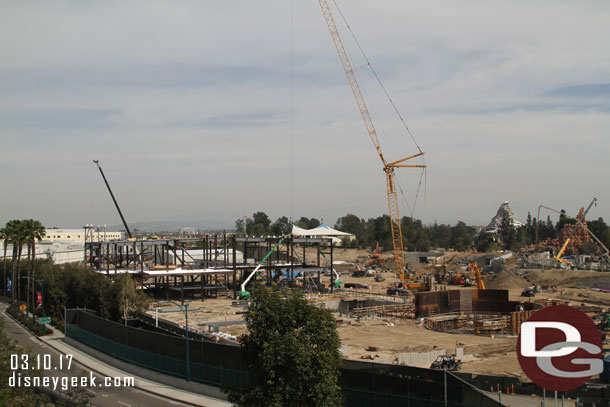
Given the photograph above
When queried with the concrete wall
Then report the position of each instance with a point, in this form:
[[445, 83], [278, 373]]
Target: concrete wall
[[423, 359]]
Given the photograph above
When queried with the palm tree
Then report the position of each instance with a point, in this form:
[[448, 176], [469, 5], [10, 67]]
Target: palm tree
[[10, 236], [16, 233], [33, 230], [4, 238]]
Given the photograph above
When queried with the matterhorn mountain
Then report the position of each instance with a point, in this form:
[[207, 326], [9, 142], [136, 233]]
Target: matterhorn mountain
[[496, 221]]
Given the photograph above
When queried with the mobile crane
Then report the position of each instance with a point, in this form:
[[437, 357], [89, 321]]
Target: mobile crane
[[388, 168]]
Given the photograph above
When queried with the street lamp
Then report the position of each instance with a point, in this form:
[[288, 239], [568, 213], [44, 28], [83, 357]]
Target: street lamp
[[87, 227], [41, 282], [184, 308]]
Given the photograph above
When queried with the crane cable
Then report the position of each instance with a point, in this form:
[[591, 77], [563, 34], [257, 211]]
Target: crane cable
[[368, 62], [377, 77]]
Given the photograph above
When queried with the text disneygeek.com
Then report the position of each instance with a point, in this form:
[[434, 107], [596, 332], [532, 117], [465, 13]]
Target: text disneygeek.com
[[23, 362], [65, 383]]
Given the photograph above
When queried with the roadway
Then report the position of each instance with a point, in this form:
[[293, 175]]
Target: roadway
[[101, 396]]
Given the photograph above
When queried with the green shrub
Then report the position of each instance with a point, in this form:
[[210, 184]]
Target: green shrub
[[27, 322]]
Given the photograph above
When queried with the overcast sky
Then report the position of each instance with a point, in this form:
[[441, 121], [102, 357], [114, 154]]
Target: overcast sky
[[187, 105]]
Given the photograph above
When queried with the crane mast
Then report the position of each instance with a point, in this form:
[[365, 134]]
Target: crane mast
[[388, 168]]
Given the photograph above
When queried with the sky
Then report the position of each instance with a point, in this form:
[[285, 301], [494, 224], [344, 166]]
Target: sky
[[206, 111]]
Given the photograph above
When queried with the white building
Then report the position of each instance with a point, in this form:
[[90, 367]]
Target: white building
[[57, 252], [95, 234]]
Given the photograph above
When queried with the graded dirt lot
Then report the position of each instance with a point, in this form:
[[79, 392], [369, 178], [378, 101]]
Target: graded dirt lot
[[392, 337]]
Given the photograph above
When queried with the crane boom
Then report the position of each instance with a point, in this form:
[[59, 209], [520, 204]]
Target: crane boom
[[372, 132], [116, 204]]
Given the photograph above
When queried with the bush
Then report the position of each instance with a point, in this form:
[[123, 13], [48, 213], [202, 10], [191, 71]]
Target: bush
[[23, 319]]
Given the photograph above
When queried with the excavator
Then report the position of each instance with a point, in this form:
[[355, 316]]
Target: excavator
[[402, 289], [376, 258], [466, 280], [475, 271]]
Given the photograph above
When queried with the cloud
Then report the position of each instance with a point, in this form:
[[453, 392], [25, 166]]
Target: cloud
[[199, 108]]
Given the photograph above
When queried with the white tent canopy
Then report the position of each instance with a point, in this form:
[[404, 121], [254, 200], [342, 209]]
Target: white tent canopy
[[321, 231]]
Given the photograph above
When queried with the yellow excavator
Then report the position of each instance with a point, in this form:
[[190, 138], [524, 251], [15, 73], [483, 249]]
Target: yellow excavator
[[475, 271]]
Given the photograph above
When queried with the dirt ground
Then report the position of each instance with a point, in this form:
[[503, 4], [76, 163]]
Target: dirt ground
[[393, 337]]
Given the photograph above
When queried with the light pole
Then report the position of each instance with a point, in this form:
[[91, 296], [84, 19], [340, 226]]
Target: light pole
[[184, 308], [87, 227], [41, 282]]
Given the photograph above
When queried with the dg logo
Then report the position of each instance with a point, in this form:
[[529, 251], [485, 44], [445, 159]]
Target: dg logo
[[560, 348]]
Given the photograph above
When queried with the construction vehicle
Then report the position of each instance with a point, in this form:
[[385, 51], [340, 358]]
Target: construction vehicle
[[413, 283], [376, 254], [459, 279], [528, 292], [243, 294], [388, 168], [476, 274], [334, 275], [398, 288], [446, 362], [358, 272]]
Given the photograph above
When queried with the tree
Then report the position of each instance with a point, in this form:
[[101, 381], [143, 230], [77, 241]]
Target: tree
[[349, 224], [281, 226], [33, 230], [240, 227], [261, 218], [507, 231], [598, 228], [292, 353], [15, 232], [313, 223], [563, 220], [4, 238], [303, 222], [258, 225], [486, 242], [126, 299]]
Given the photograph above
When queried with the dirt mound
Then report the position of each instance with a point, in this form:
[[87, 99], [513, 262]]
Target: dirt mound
[[506, 281], [566, 278]]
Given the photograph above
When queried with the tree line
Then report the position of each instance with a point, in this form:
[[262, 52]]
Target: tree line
[[418, 236], [61, 285]]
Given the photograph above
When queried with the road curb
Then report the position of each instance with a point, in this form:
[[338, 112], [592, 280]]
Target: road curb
[[143, 389]]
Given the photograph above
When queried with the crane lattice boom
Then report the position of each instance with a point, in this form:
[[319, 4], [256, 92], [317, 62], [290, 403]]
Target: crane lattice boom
[[370, 127]]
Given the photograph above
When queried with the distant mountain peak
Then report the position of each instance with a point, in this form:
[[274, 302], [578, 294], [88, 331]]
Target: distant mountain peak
[[496, 221]]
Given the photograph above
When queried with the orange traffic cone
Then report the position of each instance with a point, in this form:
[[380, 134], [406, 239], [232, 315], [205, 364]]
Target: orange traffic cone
[[507, 391], [492, 389], [513, 388], [498, 387]]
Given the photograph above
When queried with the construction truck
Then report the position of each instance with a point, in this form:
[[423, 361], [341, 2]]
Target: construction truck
[[446, 362]]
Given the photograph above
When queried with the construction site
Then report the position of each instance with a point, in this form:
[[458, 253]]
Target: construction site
[[460, 305], [438, 309]]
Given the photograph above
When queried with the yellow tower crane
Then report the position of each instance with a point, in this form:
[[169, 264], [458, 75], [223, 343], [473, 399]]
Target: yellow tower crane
[[388, 168]]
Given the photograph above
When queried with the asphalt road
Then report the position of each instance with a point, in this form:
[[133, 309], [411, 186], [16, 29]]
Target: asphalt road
[[103, 396]]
